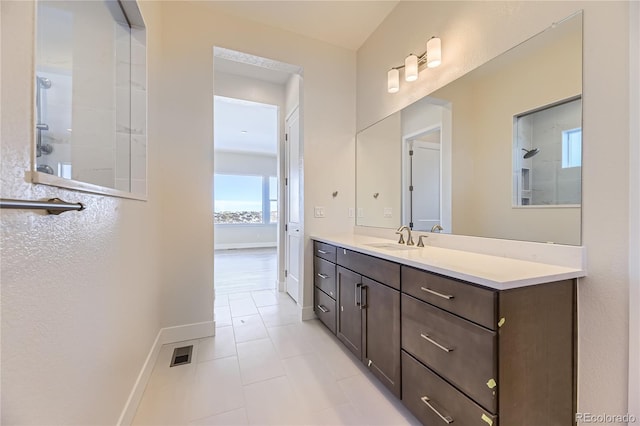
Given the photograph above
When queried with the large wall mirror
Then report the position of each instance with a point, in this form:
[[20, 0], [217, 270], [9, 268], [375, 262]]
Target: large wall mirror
[[496, 153], [90, 97]]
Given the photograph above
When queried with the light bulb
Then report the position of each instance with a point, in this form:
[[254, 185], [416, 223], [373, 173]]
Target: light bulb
[[434, 52], [393, 80], [411, 68]]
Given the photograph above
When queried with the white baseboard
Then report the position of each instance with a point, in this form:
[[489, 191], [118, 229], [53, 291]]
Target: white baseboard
[[230, 246], [165, 336]]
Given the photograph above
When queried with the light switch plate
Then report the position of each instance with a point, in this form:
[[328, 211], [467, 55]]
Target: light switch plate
[[318, 211], [388, 212], [360, 212], [352, 212]]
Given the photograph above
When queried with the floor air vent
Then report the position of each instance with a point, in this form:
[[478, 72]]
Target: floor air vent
[[181, 356]]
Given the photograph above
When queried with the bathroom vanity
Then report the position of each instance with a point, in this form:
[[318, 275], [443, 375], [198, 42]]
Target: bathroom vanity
[[459, 336]]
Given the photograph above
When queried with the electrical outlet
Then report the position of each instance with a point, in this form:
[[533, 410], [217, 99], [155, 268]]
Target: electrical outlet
[[318, 211], [388, 212], [352, 212]]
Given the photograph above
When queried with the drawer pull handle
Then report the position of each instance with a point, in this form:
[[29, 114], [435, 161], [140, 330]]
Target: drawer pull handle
[[444, 296], [323, 276], [429, 339], [323, 309], [322, 251], [446, 419]]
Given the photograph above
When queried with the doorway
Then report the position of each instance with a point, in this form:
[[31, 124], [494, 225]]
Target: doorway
[[245, 195], [252, 98]]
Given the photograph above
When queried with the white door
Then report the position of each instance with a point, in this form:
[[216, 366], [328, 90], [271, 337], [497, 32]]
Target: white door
[[426, 185], [293, 224]]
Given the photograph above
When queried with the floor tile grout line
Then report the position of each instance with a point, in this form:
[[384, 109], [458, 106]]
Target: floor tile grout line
[[264, 380], [244, 407]]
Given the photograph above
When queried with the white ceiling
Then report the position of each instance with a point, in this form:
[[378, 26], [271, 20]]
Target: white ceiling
[[244, 126], [346, 23]]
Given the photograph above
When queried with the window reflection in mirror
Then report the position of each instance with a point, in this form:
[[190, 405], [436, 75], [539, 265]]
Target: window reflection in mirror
[[90, 96]]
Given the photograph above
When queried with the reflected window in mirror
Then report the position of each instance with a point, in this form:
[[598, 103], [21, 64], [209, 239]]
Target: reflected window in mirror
[[548, 155], [90, 97]]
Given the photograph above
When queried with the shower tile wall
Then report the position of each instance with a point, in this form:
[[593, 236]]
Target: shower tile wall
[[94, 99], [552, 183], [138, 111], [131, 125]]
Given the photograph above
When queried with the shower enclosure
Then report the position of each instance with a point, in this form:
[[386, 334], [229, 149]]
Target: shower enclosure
[[90, 75]]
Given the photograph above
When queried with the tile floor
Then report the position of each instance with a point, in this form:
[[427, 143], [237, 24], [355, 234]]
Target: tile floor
[[266, 367], [258, 266]]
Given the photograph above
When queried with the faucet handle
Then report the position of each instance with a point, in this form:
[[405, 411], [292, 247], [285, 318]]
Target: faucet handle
[[401, 240], [420, 242], [437, 228]]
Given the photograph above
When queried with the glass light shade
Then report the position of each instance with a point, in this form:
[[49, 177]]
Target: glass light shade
[[393, 81], [411, 68], [434, 52]]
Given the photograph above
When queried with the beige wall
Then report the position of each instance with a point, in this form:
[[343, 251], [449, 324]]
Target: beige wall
[[328, 109], [472, 33], [80, 291], [378, 171]]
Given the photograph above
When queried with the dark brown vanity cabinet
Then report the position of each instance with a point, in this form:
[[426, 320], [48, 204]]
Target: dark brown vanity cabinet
[[480, 356], [368, 311], [324, 279], [454, 351], [349, 328], [369, 324]]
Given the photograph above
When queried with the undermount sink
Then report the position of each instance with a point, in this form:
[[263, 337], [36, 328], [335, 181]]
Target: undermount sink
[[391, 246]]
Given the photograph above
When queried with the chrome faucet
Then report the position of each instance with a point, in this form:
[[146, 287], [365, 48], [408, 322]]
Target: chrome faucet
[[409, 237], [436, 228]]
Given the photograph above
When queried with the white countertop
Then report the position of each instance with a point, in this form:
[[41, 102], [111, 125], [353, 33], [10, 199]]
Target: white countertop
[[496, 272]]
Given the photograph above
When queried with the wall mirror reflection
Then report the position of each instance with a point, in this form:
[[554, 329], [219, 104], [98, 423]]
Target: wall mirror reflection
[[548, 155], [456, 159], [90, 97]]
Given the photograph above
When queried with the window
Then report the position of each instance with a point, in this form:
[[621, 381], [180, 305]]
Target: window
[[273, 199], [241, 199], [572, 148]]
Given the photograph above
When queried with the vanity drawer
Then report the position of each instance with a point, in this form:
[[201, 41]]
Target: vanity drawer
[[325, 276], [325, 308], [375, 268], [325, 251], [460, 351], [435, 402], [464, 299]]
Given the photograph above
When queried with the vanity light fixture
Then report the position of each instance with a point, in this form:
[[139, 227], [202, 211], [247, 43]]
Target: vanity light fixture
[[432, 57]]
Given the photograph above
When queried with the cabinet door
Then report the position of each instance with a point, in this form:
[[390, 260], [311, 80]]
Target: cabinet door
[[382, 333], [350, 312]]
